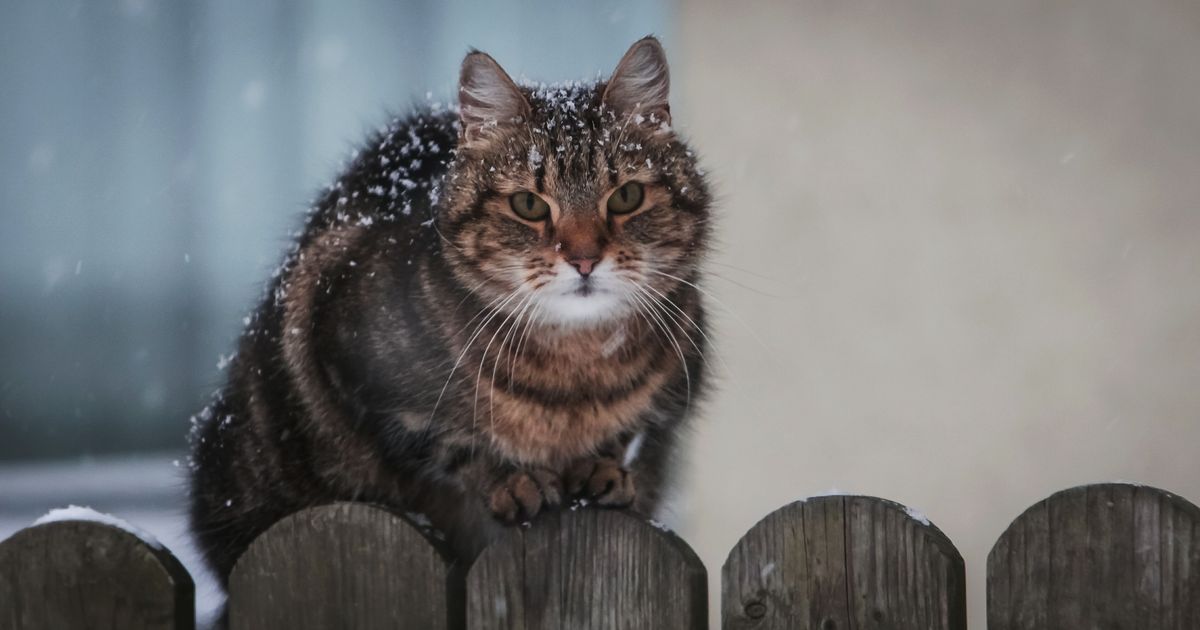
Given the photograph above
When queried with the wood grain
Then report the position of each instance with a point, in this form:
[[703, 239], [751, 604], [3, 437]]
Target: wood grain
[[843, 562], [1107, 556], [345, 565], [588, 570], [84, 574]]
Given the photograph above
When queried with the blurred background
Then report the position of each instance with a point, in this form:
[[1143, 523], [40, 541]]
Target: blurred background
[[960, 260]]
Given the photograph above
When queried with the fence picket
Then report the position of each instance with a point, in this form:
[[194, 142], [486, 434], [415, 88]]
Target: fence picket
[[1105, 555], [586, 570], [843, 562], [86, 574], [344, 565]]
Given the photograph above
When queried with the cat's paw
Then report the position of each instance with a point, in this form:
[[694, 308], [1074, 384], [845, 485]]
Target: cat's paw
[[523, 494], [601, 480]]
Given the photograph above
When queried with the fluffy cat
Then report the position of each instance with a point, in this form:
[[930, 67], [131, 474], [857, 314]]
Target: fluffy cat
[[493, 310]]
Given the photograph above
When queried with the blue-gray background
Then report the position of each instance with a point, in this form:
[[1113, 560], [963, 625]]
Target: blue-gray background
[[960, 239], [154, 157]]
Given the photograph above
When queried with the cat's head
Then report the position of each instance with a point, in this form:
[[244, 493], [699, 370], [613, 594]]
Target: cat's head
[[577, 202]]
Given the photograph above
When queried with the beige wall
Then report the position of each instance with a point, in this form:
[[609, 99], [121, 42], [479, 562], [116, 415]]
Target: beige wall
[[981, 225]]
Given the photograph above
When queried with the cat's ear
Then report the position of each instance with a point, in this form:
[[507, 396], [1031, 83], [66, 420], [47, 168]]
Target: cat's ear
[[641, 82], [487, 98]]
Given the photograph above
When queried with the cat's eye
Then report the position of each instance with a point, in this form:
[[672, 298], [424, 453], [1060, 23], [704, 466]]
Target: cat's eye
[[626, 199], [529, 206]]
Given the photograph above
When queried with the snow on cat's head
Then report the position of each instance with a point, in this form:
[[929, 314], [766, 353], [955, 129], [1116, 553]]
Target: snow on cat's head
[[574, 204]]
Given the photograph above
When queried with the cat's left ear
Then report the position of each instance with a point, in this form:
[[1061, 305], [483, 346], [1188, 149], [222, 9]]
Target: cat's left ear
[[641, 82], [488, 99]]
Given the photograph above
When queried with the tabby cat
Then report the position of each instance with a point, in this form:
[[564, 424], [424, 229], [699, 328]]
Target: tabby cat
[[492, 311]]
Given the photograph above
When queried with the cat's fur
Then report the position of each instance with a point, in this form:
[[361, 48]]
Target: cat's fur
[[425, 349]]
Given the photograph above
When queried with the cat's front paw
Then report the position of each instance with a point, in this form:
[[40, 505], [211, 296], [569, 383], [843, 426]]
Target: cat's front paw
[[602, 480], [521, 495]]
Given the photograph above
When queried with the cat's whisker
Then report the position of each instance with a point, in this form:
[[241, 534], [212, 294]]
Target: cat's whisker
[[745, 286], [533, 320], [744, 270], [715, 299], [484, 355], [499, 353], [437, 230], [662, 304], [487, 308], [708, 340], [471, 293], [640, 285], [674, 341], [658, 307], [639, 308], [476, 333], [467, 347], [682, 328], [678, 351]]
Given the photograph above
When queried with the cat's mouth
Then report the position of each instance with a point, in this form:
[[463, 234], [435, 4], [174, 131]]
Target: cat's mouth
[[574, 299], [585, 288]]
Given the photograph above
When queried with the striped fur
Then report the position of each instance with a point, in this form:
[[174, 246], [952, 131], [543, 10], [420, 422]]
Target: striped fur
[[424, 348]]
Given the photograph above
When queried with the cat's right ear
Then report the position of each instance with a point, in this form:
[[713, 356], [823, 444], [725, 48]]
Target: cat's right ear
[[487, 98]]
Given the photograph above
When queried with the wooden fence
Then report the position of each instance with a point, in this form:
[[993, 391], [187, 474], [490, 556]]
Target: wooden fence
[[1109, 556]]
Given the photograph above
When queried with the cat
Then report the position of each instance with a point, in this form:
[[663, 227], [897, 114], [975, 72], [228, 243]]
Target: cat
[[494, 310]]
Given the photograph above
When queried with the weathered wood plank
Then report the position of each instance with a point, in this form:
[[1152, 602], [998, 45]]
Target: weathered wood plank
[[1113, 556], [345, 565], [1148, 564], [843, 562], [586, 570], [85, 574]]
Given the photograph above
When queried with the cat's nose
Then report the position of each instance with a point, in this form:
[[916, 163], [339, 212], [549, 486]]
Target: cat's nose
[[584, 265]]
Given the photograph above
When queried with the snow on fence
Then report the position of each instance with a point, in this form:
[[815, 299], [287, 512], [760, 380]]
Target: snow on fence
[[1102, 556]]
